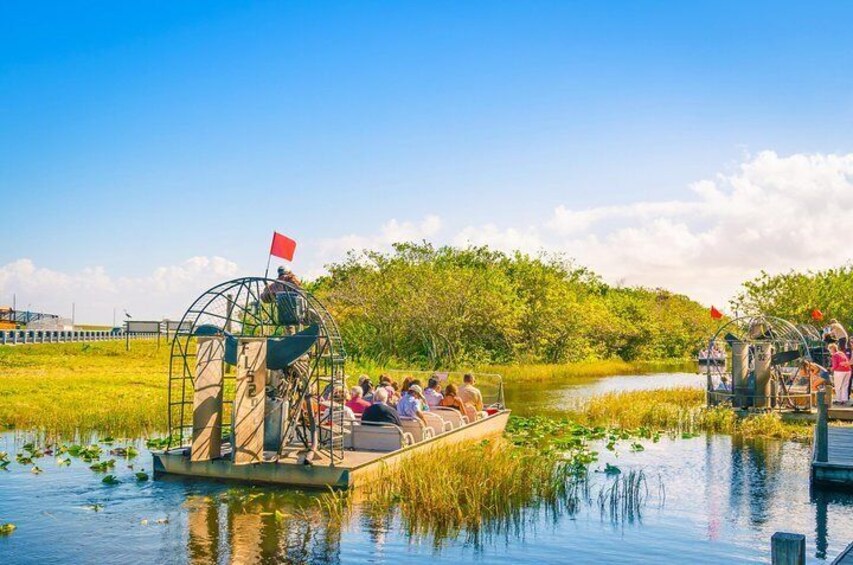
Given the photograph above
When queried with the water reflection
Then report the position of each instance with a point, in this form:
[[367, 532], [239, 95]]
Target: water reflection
[[823, 500], [254, 527]]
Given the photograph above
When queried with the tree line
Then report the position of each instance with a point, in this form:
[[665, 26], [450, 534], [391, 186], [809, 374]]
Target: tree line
[[447, 306], [796, 295]]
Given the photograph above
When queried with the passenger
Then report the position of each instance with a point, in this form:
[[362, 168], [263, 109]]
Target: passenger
[[424, 403], [451, 399], [407, 382], [338, 403], [469, 394], [410, 405], [367, 390], [285, 280], [839, 333], [379, 411], [395, 395], [356, 403], [840, 375], [432, 394]]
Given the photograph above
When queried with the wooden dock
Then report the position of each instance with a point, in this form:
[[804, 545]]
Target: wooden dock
[[841, 413], [832, 462]]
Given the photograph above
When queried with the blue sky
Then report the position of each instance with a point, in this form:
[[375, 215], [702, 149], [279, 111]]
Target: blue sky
[[134, 136]]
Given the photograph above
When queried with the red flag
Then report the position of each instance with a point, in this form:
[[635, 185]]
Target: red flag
[[817, 315], [282, 246], [716, 314]]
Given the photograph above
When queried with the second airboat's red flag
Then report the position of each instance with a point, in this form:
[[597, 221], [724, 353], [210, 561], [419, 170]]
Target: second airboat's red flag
[[817, 315], [282, 246], [716, 314]]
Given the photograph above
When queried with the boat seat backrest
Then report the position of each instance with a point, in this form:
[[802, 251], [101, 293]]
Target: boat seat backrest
[[372, 436], [437, 423], [471, 412], [451, 416], [418, 430]]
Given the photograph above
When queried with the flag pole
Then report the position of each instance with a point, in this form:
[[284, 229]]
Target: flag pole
[[267, 272]]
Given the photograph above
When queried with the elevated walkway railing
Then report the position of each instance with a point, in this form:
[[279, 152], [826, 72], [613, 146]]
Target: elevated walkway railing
[[21, 337]]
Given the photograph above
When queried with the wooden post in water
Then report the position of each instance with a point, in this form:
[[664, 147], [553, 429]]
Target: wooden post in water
[[788, 549], [822, 429]]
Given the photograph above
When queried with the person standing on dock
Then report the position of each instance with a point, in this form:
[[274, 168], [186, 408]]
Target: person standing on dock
[[840, 375], [839, 333]]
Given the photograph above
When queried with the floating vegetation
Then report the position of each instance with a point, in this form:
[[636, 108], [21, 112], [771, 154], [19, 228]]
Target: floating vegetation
[[128, 452], [36, 470], [157, 443], [6, 529], [110, 480], [63, 462], [103, 466], [141, 476], [94, 507], [611, 470]]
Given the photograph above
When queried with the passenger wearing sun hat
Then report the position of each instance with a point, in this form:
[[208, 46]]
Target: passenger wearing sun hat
[[410, 404]]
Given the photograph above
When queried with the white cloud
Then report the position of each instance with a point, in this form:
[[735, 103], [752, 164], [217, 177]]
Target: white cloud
[[773, 213], [163, 293]]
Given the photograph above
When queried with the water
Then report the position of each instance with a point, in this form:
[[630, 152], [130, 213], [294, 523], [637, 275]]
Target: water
[[711, 500]]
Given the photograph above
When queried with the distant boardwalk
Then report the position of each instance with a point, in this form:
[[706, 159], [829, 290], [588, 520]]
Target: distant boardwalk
[[21, 337]]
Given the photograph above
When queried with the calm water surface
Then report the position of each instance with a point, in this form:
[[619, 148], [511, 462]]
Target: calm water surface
[[711, 500]]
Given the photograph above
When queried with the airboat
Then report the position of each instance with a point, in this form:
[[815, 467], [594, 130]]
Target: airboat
[[772, 364], [253, 368]]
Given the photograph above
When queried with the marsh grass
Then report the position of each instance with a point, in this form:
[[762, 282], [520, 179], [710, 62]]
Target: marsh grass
[[76, 388], [585, 370], [682, 411], [486, 488], [625, 497]]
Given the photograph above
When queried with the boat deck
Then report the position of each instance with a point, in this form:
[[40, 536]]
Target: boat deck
[[290, 469]]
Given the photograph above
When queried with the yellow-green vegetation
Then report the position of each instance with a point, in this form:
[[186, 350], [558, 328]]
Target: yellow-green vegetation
[[66, 388], [495, 481], [584, 370], [794, 295], [682, 410], [449, 307]]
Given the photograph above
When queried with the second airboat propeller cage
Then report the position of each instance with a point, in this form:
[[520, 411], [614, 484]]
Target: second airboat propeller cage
[[762, 349]]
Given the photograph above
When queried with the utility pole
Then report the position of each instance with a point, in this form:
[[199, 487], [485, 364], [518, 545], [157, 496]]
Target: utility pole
[[73, 308], [114, 316]]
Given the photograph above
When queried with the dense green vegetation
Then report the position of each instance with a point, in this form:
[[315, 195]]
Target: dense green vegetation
[[427, 306], [794, 295]]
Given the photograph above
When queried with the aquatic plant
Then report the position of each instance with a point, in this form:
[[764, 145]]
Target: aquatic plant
[[495, 483], [682, 411], [624, 498], [7, 528]]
